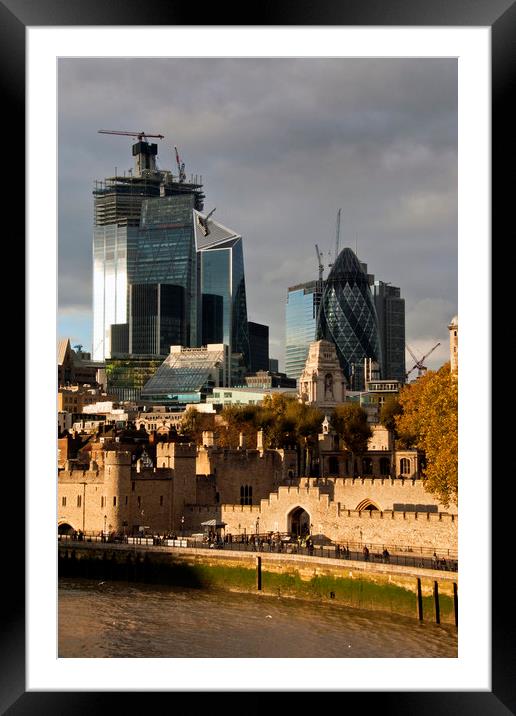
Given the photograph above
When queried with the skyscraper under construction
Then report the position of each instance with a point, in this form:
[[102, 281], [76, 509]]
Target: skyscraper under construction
[[152, 285]]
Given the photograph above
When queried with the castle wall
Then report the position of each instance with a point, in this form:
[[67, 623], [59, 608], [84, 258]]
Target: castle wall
[[431, 530], [119, 497], [384, 492], [234, 469]]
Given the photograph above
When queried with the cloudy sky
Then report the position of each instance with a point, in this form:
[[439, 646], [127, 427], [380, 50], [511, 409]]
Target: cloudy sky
[[281, 145]]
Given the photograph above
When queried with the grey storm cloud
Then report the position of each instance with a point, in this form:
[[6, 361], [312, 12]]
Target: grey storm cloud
[[281, 144]]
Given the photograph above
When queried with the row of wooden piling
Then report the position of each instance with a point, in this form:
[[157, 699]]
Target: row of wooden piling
[[437, 610]]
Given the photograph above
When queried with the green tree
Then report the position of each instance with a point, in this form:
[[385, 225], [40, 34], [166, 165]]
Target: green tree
[[389, 410], [190, 424], [429, 422], [286, 423], [349, 420]]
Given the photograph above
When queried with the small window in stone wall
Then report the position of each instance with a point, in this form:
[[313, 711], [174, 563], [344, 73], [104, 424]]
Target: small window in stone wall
[[79, 500], [133, 485], [161, 501], [63, 501], [114, 501], [102, 501], [333, 465], [385, 466], [404, 466], [367, 466], [246, 494], [139, 501]]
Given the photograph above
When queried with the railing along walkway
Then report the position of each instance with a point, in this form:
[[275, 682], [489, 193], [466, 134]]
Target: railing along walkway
[[402, 556]]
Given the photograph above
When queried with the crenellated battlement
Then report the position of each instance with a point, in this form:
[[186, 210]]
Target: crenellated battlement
[[151, 473], [78, 475], [175, 450], [117, 457], [361, 480], [245, 509]]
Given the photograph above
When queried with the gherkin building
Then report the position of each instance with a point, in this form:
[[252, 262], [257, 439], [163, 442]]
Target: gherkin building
[[347, 317]]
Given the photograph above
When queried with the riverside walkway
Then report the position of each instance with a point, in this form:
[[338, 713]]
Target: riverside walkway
[[422, 558]]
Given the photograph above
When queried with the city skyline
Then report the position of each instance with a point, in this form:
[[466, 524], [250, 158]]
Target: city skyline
[[280, 151]]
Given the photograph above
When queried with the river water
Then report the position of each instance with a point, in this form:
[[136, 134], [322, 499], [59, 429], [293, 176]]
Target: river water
[[115, 619]]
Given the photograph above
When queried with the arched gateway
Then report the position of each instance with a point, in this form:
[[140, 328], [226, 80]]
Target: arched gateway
[[65, 529], [298, 522]]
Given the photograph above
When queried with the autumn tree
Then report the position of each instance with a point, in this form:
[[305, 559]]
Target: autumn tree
[[190, 424], [286, 423], [389, 410], [349, 421], [429, 422]]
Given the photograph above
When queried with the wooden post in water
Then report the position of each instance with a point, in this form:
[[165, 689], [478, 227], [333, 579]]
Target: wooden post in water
[[419, 601], [455, 604], [436, 603], [259, 574]]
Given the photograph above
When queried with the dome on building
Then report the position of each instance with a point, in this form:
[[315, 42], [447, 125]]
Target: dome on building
[[454, 321], [347, 316]]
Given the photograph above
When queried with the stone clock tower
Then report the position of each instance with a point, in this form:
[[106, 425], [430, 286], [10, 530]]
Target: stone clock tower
[[322, 382]]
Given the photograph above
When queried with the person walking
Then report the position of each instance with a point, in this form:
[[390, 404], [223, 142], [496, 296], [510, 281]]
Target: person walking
[[366, 553]]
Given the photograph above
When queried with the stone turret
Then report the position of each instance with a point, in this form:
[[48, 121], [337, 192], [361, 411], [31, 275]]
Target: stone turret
[[322, 382]]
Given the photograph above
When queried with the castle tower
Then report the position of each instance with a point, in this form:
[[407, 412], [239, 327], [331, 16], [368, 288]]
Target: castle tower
[[322, 381], [114, 509], [453, 328], [181, 458]]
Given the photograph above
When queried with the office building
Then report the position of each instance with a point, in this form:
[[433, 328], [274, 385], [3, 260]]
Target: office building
[[390, 309], [267, 379], [188, 375], [347, 317], [222, 285], [144, 265], [259, 347], [301, 324], [127, 375]]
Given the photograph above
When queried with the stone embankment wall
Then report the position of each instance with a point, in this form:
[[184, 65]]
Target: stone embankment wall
[[377, 587]]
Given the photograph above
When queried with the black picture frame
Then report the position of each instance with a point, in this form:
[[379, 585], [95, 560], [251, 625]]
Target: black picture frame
[[500, 16]]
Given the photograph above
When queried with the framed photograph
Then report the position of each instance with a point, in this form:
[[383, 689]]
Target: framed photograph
[[67, 56]]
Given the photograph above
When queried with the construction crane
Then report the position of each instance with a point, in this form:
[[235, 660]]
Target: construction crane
[[180, 167], [320, 260], [337, 240], [421, 368], [140, 135]]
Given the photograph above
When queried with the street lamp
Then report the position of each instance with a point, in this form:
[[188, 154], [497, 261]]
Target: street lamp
[[182, 524], [257, 525], [105, 521]]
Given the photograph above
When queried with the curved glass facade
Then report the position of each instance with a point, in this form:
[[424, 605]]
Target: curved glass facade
[[222, 286], [347, 317]]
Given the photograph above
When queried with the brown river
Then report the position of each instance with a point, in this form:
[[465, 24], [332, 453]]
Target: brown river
[[115, 619]]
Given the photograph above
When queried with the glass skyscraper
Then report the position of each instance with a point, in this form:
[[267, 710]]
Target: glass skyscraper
[[301, 324], [390, 309], [163, 273], [259, 344], [145, 293], [222, 286], [347, 317]]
